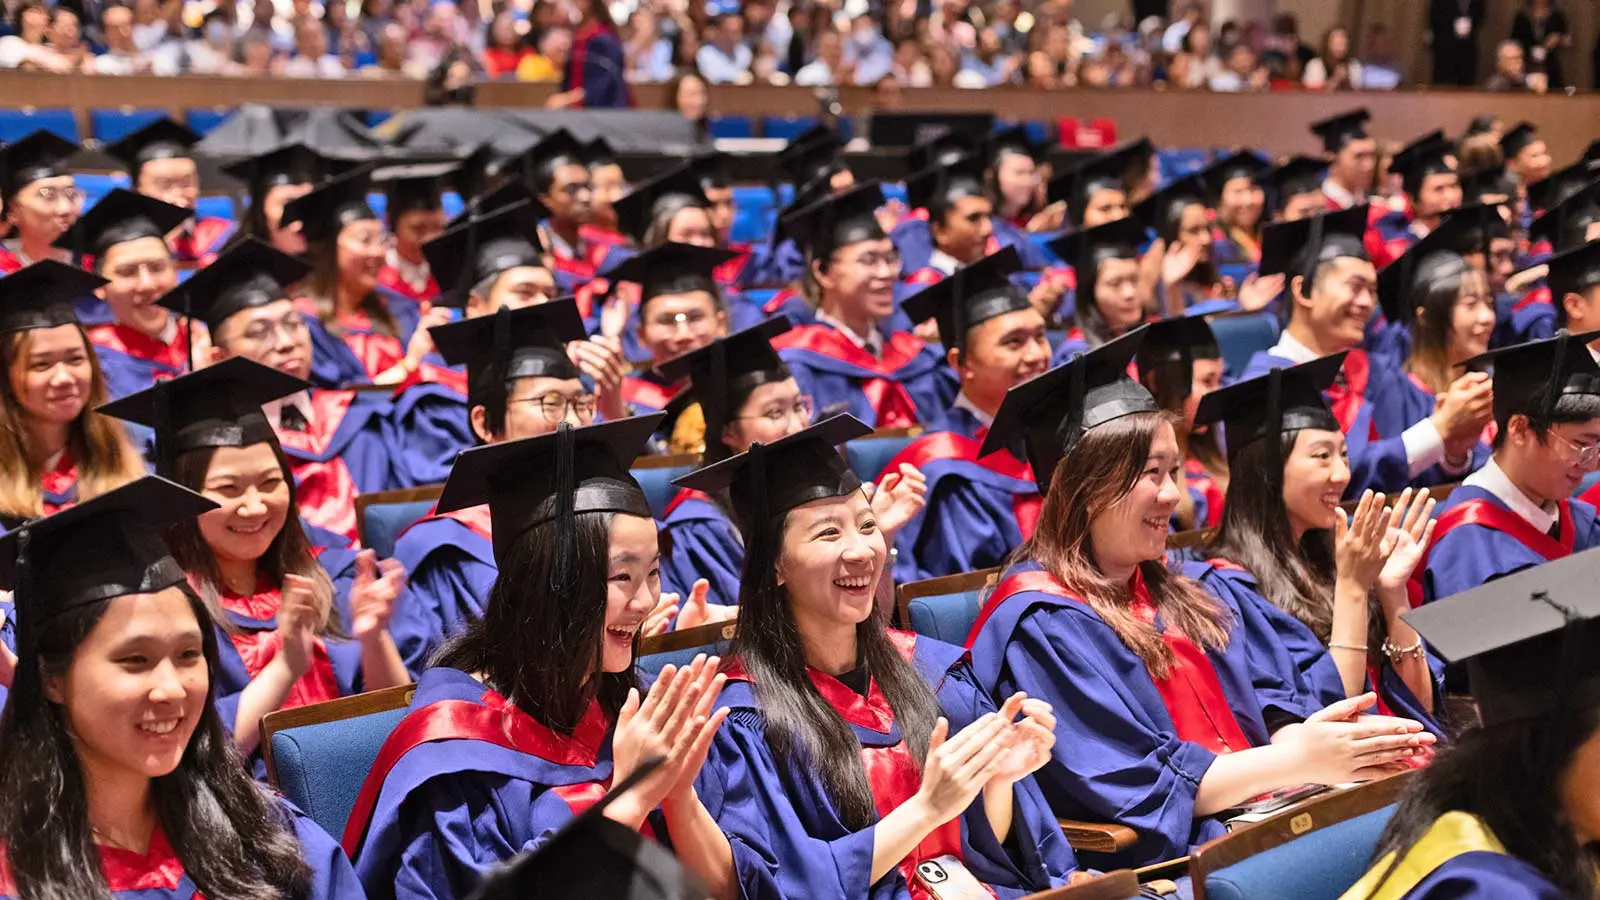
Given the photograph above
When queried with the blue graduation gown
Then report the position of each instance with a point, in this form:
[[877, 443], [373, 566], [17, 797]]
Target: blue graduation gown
[[786, 834], [914, 240], [841, 377], [1533, 316], [132, 361], [1466, 555], [1009, 234], [783, 263], [700, 541], [8, 636], [430, 417], [647, 392], [1482, 875], [351, 448], [450, 809], [450, 567], [1117, 756], [978, 510], [361, 352], [1400, 401]]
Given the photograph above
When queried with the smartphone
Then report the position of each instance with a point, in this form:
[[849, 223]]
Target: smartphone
[[946, 878]]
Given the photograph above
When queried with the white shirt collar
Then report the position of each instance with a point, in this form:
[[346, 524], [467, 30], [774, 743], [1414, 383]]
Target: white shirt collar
[[1494, 480], [415, 275], [943, 261], [1336, 192], [871, 341], [1292, 350], [962, 401]]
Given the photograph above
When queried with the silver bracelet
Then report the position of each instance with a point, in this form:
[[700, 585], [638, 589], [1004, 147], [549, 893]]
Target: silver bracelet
[[1360, 648]]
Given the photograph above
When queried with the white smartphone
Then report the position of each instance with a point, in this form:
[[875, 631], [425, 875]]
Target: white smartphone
[[946, 878]]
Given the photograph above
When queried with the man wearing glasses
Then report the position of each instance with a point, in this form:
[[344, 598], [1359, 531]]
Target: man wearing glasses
[[557, 170], [38, 199], [160, 162]]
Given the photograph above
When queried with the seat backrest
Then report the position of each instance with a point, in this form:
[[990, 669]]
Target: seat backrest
[[732, 127], [870, 454], [655, 474], [381, 523], [112, 125], [16, 124], [679, 648], [943, 608], [1240, 337], [319, 755]]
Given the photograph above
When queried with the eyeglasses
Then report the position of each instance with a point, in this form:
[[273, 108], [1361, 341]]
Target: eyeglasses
[[890, 260], [694, 320], [801, 410], [555, 406], [576, 188], [1588, 454], [262, 331]]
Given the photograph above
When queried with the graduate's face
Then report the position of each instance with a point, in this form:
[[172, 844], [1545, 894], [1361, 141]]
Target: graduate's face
[[175, 180], [135, 688], [513, 289], [633, 585], [862, 277], [1205, 378], [363, 249], [1342, 300], [833, 555], [273, 334], [1316, 472], [53, 373], [1303, 206], [1242, 200], [140, 273], [1105, 206], [1580, 791], [288, 239], [1472, 317], [252, 493], [1498, 265], [609, 186], [537, 405], [1548, 469], [571, 196], [692, 225], [965, 229], [772, 411], [1002, 353], [1438, 194], [674, 324], [1194, 230], [1134, 529], [1018, 179], [415, 228], [1116, 293], [1354, 164], [721, 199], [1532, 162], [43, 210]]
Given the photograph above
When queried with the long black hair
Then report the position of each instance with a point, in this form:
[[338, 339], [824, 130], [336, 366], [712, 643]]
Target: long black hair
[[541, 650], [233, 841], [805, 732], [1168, 228], [1509, 775]]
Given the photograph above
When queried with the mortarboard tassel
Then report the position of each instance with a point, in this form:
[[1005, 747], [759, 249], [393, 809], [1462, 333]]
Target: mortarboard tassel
[[165, 464], [22, 594], [1552, 385], [713, 407], [1313, 252]]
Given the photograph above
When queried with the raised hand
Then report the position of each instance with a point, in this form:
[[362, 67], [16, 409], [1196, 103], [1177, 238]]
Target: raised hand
[[1407, 541], [1033, 739], [700, 611], [1260, 290], [298, 615], [1358, 543], [659, 621], [421, 343], [957, 768], [373, 595], [670, 722], [1179, 260], [899, 497]]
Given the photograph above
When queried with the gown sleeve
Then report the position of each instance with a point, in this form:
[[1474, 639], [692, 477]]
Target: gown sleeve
[[431, 420], [1289, 667], [965, 527], [1484, 876], [332, 877], [703, 548]]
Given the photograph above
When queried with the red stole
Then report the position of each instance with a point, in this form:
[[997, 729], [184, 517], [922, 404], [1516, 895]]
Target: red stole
[[891, 402], [257, 648], [325, 488], [1200, 479], [1480, 511], [377, 352], [925, 276], [1540, 294], [950, 445], [199, 244], [60, 481], [389, 277], [776, 301], [137, 344], [8, 262], [475, 518], [645, 394], [685, 494], [1192, 693], [728, 273], [157, 869], [1346, 398]]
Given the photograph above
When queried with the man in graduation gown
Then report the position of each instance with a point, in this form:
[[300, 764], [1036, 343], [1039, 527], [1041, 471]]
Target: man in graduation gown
[[557, 171], [339, 443], [414, 208], [1427, 169], [161, 164], [124, 238], [1332, 286], [811, 162], [959, 221], [1569, 224], [1352, 157], [1527, 156], [38, 163], [1294, 189], [1515, 512], [979, 508]]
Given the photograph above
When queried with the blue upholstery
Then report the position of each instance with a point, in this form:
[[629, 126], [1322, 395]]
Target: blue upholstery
[[1178, 162], [658, 487], [1236, 271], [381, 523], [868, 456], [1038, 132], [321, 767], [760, 296], [944, 617], [655, 662], [203, 119], [784, 127], [895, 190], [16, 124], [214, 207], [1321, 865], [1239, 337], [111, 125], [1589, 481], [732, 127]]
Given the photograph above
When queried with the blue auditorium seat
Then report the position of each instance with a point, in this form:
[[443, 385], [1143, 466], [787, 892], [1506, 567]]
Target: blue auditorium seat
[[1178, 162], [96, 185], [1038, 132], [1236, 271], [869, 455], [1239, 337], [111, 125], [203, 119], [655, 662], [894, 190], [657, 485], [945, 617], [785, 127], [1321, 865], [1589, 481], [215, 207], [381, 523], [452, 203], [732, 127], [379, 203], [321, 767], [16, 124]]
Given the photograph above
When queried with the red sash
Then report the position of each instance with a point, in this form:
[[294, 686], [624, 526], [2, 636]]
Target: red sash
[[1540, 294], [59, 481], [325, 488], [493, 721], [1198, 477], [1191, 692], [257, 648], [1479, 511], [594, 235], [683, 495], [377, 352], [777, 300], [1346, 398], [644, 394], [728, 273], [950, 445], [8, 262], [389, 277], [137, 344], [925, 276], [890, 401]]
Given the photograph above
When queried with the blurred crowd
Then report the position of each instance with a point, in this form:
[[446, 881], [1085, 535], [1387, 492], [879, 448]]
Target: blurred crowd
[[820, 43]]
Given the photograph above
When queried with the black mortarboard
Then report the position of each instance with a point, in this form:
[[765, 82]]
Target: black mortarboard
[[1299, 175], [711, 169], [1490, 182], [737, 363], [1012, 139], [1530, 378], [1480, 224], [1561, 184], [331, 206], [1269, 405], [599, 152], [218, 406], [249, 274], [638, 209], [804, 195], [511, 193], [808, 155], [1592, 152], [1105, 172], [497, 349], [672, 268], [534, 480], [1336, 131], [119, 217], [472, 174], [1566, 224], [1237, 165], [1430, 154], [942, 149], [1480, 125], [1299, 247], [1169, 350], [1527, 639], [1052, 412], [1517, 138], [161, 139], [1573, 271], [104, 547], [1438, 255], [1160, 210], [538, 163], [41, 295], [40, 155], [1086, 248], [938, 188], [838, 220], [769, 480], [288, 164], [482, 246], [411, 188], [970, 296]]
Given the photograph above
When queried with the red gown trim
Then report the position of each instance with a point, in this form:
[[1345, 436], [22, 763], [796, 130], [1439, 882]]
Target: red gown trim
[[137, 344], [389, 277], [646, 393], [325, 489], [59, 481], [475, 518], [729, 272], [684, 495], [377, 352], [925, 276], [1346, 398], [1196, 475], [8, 262], [950, 445], [889, 398], [258, 648], [1479, 511], [776, 302], [1540, 294]]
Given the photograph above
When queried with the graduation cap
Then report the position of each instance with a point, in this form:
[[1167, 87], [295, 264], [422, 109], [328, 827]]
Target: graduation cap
[[838, 220], [1438, 255], [804, 196], [38, 156], [534, 480], [1592, 152], [599, 152], [1011, 139], [497, 349], [1086, 248], [1299, 175], [728, 365], [1161, 210], [119, 217], [1561, 184], [1527, 639], [1531, 378], [1477, 224], [1573, 271], [638, 209], [971, 296], [104, 547], [511, 193], [411, 188], [218, 406], [1480, 125], [479, 247], [809, 155], [942, 149], [249, 274], [672, 268], [1337, 131], [1051, 412], [1566, 224], [937, 189], [1169, 350], [1216, 176], [1490, 182], [1269, 405], [41, 295], [1430, 154], [1299, 247], [1105, 172], [286, 164], [711, 168], [537, 165], [329, 207], [1518, 138], [161, 139], [473, 174]]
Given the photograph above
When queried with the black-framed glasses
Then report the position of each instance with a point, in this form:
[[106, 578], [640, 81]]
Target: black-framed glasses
[[555, 406]]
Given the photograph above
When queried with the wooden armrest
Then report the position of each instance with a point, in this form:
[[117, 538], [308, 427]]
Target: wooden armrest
[[1098, 837], [1172, 868]]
